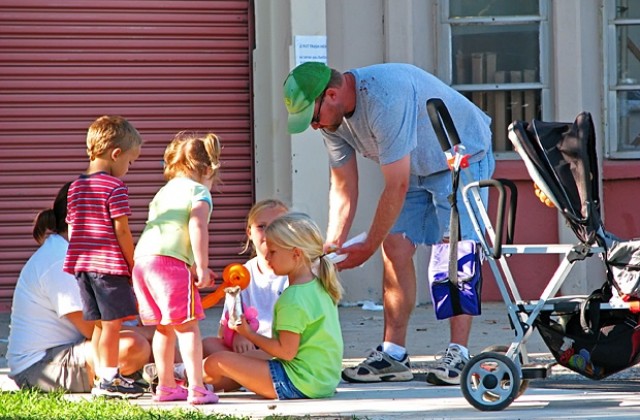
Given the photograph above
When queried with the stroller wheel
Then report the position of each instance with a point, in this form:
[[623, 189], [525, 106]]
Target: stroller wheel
[[524, 383], [490, 381]]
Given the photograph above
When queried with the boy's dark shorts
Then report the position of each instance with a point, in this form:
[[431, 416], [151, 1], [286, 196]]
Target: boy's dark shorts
[[106, 297]]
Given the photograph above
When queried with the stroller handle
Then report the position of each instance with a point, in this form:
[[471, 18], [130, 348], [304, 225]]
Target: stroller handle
[[441, 120], [499, 185]]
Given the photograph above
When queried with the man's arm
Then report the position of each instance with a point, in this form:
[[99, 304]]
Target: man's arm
[[396, 184], [343, 200], [85, 327]]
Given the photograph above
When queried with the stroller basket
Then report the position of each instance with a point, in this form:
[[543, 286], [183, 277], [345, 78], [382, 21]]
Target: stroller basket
[[594, 349]]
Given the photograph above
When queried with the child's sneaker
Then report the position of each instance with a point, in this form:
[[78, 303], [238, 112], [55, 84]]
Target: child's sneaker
[[378, 367], [448, 368], [118, 387]]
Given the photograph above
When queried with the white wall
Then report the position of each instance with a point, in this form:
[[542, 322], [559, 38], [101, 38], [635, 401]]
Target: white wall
[[577, 75], [272, 145]]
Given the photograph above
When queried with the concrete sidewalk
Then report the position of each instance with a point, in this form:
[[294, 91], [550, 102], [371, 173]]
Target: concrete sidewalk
[[362, 330]]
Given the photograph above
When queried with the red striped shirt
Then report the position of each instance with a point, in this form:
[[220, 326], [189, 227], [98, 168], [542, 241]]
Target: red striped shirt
[[93, 202]]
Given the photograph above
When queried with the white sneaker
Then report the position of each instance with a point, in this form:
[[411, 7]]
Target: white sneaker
[[448, 368], [379, 367]]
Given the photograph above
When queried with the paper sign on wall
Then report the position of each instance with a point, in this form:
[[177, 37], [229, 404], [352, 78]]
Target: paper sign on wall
[[310, 48]]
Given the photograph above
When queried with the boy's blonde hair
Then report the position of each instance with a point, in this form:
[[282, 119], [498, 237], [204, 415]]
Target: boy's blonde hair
[[297, 230], [110, 132], [192, 153], [256, 209]]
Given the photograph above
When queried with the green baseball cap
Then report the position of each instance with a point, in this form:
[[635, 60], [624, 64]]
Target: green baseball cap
[[301, 89]]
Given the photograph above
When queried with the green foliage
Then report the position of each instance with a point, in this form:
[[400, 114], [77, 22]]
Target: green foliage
[[38, 406]]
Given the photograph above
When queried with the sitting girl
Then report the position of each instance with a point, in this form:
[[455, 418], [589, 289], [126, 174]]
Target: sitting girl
[[261, 293], [307, 340]]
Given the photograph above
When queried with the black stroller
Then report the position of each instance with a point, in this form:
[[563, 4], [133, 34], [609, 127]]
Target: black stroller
[[595, 335]]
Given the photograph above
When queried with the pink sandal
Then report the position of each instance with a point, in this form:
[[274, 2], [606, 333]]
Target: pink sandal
[[200, 395], [164, 393]]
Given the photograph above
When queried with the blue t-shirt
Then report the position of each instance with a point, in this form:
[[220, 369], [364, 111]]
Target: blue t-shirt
[[390, 120]]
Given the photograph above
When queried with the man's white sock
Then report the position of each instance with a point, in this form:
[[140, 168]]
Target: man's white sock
[[462, 349], [394, 350]]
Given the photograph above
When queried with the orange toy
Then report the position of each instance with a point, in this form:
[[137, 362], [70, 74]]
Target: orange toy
[[233, 275]]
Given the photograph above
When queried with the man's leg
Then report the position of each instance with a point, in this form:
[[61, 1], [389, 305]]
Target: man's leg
[[134, 352], [453, 359], [460, 327], [399, 296], [399, 287]]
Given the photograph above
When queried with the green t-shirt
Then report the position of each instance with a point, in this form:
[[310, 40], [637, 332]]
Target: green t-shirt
[[167, 229], [308, 310]]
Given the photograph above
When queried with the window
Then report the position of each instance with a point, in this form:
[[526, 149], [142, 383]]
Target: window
[[494, 58], [623, 37]]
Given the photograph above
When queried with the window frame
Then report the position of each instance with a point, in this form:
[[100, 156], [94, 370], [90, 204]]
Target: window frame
[[610, 23], [446, 63]]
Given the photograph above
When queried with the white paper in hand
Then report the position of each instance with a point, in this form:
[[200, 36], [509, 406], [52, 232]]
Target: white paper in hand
[[336, 258]]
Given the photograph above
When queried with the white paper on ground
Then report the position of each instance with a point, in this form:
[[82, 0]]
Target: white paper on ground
[[368, 305]]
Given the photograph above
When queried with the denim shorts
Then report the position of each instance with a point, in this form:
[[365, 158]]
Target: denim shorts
[[425, 215], [281, 383]]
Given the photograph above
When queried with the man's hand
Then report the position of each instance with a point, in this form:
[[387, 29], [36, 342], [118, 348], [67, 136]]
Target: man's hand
[[358, 254]]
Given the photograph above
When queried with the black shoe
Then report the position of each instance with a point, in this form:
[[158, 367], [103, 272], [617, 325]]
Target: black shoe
[[138, 379], [118, 387]]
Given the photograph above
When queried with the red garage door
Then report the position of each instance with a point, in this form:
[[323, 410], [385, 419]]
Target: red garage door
[[167, 66]]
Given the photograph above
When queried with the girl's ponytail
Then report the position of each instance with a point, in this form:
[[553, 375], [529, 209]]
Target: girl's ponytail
[[327, 274]]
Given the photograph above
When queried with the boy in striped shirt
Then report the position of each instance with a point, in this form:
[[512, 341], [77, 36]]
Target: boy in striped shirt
[[100, 253]]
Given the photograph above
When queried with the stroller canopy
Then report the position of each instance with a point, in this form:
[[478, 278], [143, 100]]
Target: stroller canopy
[[561, 158]]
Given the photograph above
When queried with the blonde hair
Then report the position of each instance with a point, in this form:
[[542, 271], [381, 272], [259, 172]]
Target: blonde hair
[[255, 210], [297, 230], [110, 132], [192, 153]]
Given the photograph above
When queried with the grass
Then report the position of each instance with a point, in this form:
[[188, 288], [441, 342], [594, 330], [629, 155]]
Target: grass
[[39, 406], [36, 405]]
